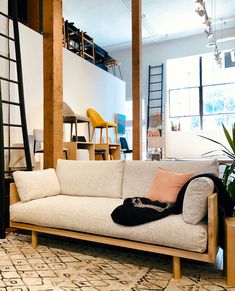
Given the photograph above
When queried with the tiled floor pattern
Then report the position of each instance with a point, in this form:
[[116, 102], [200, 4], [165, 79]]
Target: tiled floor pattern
[[63, 264]]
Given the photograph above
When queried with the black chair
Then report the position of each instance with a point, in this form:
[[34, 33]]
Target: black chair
[[124, 146]]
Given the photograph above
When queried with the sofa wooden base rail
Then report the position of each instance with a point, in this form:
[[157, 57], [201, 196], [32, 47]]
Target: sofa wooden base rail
[[208, 256]]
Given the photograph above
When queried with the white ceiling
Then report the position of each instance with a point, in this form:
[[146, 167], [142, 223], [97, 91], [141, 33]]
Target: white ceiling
[[109, 21]]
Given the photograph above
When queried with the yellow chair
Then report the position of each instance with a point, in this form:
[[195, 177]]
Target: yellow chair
[[98, 122]]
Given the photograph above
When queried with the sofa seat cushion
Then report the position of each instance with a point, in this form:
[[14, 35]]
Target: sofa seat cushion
[[90, 178], [93, 215], [138, 175]]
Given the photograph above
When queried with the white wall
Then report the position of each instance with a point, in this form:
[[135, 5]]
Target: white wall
[[85, 85], [185, 144], [32, 65]]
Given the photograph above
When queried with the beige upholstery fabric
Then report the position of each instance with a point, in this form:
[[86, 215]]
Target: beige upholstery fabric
[[92, 215], [196, 199], [36, 184], [138, 175], [90, 178]]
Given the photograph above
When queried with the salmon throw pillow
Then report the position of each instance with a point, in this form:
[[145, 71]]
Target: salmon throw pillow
[[166, 185]]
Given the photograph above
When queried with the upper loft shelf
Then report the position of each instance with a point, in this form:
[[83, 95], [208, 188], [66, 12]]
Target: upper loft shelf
[[74, 39], [82, 44]]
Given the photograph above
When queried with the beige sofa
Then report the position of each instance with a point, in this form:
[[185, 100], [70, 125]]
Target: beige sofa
[[77, 201]]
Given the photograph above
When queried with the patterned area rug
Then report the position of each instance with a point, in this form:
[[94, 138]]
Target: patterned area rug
[[64, 264]]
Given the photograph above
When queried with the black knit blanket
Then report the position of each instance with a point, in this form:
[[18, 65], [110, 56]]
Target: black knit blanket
[[140, 210]]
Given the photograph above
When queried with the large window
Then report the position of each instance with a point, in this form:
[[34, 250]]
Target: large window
[[201, 95]]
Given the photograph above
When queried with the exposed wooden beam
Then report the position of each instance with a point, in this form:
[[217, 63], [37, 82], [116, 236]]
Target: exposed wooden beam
[[136, 76], [53, 80], [34, 14]]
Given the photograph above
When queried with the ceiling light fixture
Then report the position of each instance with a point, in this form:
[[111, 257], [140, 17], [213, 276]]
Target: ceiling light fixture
[[209, 34], [145, 22], [211, 44], [202, 12]]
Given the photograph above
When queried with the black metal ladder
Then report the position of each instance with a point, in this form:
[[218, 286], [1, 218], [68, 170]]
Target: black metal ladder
[[5, 145], [155, 98]]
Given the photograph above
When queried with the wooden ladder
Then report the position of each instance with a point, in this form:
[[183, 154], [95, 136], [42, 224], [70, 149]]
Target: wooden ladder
[[88, 47]]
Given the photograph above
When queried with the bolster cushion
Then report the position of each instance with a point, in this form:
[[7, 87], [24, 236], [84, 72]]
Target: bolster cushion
[[196, 199], [36, 184]]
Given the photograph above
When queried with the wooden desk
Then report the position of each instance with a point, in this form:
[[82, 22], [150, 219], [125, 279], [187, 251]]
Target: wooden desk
[[111, 149], [73, 146]]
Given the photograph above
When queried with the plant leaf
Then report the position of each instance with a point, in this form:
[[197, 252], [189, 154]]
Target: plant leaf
[[215, 141], [226, 175], [231, 190], [230, 168], [229, 138], [210, 152], [230, 155]]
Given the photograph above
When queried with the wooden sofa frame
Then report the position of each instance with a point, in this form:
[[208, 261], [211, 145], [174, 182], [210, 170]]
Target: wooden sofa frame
[[208, 256]]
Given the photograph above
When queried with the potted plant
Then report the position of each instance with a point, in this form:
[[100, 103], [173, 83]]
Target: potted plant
[[229, 172]]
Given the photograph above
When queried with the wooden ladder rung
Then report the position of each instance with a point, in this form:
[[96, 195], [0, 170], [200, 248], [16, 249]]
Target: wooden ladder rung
[[88, 55], [87, 40]]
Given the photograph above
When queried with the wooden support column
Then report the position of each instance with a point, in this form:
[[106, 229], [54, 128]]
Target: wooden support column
[[34, 14], [53, 80], [136, 77]]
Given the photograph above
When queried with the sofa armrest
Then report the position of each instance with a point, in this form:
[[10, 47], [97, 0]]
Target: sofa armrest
[[14, 195], [212, 226]]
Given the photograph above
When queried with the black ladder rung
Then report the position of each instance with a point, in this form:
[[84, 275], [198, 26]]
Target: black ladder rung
[[9, 80], [155, 90], [155, 82], [9, 172], [5, 15], [12, 125], [150, 107], [153, 99], [156, 74], [159, 66], [7, 58], [13, 148], [10, 102], [15, 169], [6, 36]]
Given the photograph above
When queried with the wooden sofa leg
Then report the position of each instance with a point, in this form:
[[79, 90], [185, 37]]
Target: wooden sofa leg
[[34, 239], [176, 268]]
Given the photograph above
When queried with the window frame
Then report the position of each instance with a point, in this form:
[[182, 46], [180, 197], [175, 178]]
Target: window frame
[[200, 88]]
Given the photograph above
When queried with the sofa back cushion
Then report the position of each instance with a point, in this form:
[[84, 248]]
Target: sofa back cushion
[[138, 175], [90, 178], [36, 184]]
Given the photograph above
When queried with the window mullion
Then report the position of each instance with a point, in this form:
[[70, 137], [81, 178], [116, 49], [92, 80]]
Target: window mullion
[[200, 94]]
